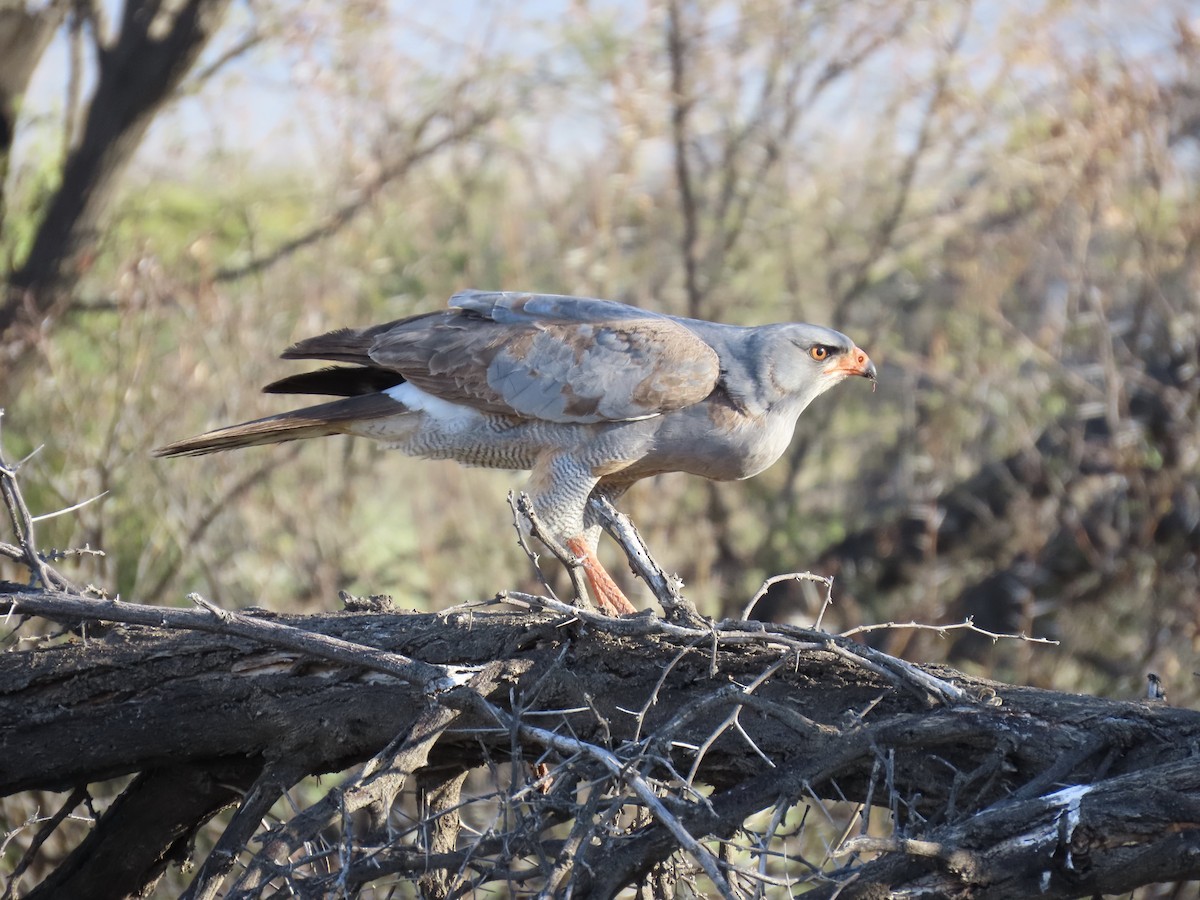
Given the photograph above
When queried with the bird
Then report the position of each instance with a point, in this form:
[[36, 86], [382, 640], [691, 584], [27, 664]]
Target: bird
[[588, 395]]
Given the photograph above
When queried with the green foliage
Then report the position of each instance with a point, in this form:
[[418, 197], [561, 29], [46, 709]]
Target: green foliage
[[188, 226]]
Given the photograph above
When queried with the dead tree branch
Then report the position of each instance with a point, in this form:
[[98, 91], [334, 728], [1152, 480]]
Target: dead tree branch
[[625, 705]]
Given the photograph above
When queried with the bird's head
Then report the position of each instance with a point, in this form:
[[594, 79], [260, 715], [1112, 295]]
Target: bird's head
[[813, 359]]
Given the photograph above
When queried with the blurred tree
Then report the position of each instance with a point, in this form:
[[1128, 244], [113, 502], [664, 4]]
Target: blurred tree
[[138, 66], [24, 35]]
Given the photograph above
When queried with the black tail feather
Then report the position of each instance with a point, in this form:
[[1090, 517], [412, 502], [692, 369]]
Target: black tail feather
[[337, 381]]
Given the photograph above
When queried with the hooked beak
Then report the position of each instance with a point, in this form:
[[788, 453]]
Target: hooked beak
[[856, 362]]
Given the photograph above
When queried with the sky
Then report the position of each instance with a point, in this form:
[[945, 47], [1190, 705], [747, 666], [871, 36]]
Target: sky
[[265, 103], [279, 103]]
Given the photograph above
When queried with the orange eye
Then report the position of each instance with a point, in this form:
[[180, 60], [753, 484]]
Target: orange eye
[[819, 352]]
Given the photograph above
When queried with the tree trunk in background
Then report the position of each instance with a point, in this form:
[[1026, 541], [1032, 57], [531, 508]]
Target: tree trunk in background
[[137, 74], [24, 35]]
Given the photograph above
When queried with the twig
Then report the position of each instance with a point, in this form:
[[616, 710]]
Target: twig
[[901, 672], [534, 557], [640, 715], [629, 625], [209, 516], [898, 671], [70, 509], [561, 875], [247, 42], [22, 526], [791, 576], [967, 624], [380, 779], [732, 719], [777, 816], [523, 508], [667, 589], [388, 171], [864, 843]]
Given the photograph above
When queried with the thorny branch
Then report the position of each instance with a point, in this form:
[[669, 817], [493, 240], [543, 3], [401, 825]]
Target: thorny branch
[[522, 510], [22, 522]]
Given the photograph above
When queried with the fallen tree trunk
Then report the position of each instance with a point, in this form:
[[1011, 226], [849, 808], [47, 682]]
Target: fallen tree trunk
[[658, 751]]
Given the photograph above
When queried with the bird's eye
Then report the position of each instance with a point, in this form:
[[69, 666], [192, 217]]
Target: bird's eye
[[819, 352]]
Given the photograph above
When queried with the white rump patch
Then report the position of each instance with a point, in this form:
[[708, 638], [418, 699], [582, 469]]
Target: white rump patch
[[442, 411]]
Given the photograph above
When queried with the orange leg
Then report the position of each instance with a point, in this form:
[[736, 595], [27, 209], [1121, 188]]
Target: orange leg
[[608, 596]]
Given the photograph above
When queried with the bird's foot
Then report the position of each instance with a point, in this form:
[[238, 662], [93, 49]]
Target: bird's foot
[[608, 596]]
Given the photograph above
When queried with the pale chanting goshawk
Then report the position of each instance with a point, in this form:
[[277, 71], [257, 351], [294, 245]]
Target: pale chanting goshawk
[[590, 395]]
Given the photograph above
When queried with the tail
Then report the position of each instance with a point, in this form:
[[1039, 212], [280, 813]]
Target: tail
[[337, 417]]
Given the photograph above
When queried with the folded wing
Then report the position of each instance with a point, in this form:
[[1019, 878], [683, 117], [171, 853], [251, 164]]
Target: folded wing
[[559, 359]]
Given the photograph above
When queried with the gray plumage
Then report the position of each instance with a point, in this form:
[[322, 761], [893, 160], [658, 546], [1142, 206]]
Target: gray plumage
[[591, 395]]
